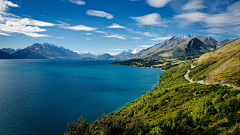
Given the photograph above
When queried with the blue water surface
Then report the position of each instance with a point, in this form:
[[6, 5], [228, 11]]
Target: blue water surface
[[42, 96]]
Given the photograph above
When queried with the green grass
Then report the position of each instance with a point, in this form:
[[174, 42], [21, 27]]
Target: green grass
[[221, 66]]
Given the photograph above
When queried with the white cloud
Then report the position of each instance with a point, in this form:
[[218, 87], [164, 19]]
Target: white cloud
[[88, 33], [78, 2], [10, 23], [150, 19], [23, 26], [224, 19], [80, 28], [60, 37], [229, 18], [5, 4], [25, 21], [161, 38], [136, 41], [157, 3], [100, 32], [9, 3], [145, 46], [136, 38], [115, 25], [115, 36], [226, 22], [88, 38], [148, 34], [99, 14], [193, 5], [193, 17], [35, 35]]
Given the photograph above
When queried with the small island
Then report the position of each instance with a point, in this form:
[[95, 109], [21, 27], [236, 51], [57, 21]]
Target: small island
[[92, 59]]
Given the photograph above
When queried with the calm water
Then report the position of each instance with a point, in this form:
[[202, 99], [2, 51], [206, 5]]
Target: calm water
[[41, 96]]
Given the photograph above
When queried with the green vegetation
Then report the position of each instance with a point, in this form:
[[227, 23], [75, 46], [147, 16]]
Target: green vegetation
[[154, 62], [221, 66], [174, 106]]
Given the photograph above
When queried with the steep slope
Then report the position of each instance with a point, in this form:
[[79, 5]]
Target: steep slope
[[4, 55], [191, 47], [222, 43], [208, 41], [162, 47], [45, 51], [220, 66]]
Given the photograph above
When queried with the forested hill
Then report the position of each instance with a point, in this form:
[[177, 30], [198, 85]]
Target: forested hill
[[174, 106]]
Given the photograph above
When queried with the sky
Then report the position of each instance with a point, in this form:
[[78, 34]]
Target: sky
[[100, 26]]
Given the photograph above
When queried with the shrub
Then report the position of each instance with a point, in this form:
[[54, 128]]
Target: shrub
[[238, 82]]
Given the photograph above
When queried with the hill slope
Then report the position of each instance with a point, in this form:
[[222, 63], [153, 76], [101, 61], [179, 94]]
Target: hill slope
[[45, 51], [176, 106], [221, 66]]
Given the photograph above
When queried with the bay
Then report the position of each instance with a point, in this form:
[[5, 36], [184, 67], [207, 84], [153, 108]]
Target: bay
[[41, 96]]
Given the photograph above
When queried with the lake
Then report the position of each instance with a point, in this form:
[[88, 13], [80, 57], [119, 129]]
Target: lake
[[42, 96]]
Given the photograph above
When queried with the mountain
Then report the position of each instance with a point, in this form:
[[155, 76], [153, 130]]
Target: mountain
[[45, 51], [125, 53], [208, 41], [162, 47], [4, 55], [191, 47], [10, 50], [222, 43], [104, 56], [87, 55], [220, 66], [171, 44]]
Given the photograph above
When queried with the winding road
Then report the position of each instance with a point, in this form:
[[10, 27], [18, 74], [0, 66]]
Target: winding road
[[201, 82]]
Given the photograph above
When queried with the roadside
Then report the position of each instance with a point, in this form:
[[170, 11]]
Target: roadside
[[201, 81]]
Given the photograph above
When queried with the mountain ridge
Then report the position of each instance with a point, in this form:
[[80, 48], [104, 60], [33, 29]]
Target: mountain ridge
[[45, 51], [169, 45]]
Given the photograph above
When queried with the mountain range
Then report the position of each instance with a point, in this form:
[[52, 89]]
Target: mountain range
[[45, 51], [10, 50], [182, 46]]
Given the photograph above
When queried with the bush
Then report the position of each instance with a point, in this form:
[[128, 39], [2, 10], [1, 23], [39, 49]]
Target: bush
[[238, 82]]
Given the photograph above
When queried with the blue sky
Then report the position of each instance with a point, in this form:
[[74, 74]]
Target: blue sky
[[99, 26]]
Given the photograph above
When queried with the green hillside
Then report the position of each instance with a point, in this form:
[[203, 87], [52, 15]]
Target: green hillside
[[174, 107], [221, 66]]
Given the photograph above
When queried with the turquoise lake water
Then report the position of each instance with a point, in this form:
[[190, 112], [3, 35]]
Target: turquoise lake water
[[41, 96]]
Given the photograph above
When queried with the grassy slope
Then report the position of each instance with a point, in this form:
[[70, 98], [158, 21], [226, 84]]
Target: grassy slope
[[221, 66], [172, 108]]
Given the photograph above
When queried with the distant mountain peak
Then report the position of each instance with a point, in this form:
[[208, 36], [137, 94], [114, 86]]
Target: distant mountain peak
[[45, 51], [187, 36]]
